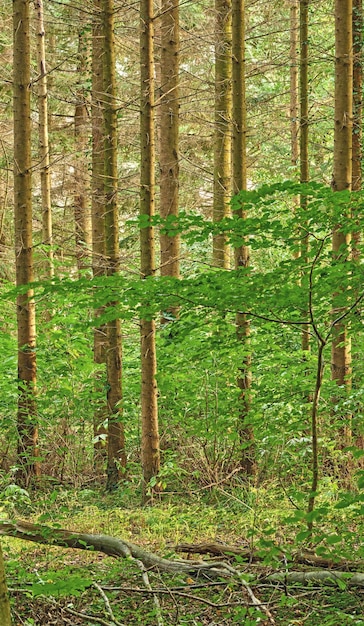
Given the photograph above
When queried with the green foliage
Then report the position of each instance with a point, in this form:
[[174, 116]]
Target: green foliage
[[199, 354], [12, 497], [59, 584]]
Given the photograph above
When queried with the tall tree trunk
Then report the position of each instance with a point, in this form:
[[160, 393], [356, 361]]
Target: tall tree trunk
[[27, 416], [357, 106], [340, 356], [357, 144], [82, 178], [5, 616], [45, 179], [222, 140], [98, 224], [116, 444], [169, 136], [248, 461], [293, 106], [149, 405], [304, 143]]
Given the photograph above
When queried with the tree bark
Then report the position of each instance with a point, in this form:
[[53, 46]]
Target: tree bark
[[149, 404], [5, 616], [222, 140], [98, 227], [116, 459], [357, 134], [242, 254], [357, 131], [304, 149], [169, 138], [82, 209], [27, 422], [45, 179], [293, 105], [341, 353]]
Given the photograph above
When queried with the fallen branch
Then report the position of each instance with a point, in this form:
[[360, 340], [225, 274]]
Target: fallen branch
[[251, 594], [107, 604], [322, 577], [84, 616], [121, 548], [145, 578], [251, 556], [111, 546], [117, 547]]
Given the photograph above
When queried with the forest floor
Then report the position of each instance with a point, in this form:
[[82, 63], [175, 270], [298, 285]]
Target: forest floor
[[54, 586]]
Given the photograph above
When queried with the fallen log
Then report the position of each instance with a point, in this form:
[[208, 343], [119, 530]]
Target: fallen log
[[340, 579], [122, 548], [252, 556], [111, 546], [116, 547]]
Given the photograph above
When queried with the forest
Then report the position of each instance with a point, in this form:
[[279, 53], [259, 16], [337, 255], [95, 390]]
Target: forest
[[181, 313]]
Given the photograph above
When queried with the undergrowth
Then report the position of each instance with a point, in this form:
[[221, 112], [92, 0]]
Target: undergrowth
[[50, 585]]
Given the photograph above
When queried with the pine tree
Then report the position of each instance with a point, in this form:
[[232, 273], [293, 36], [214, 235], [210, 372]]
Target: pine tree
[[149, 404], [27, 422]]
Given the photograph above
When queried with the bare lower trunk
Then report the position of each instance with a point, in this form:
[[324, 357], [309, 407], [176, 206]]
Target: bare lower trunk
[[341, 353], [357, 134], [82, 178], [116, 445], [242, 255], [293, 106], [149, 405], [98, 229], [169, 137], [5, 617], [27, 422]]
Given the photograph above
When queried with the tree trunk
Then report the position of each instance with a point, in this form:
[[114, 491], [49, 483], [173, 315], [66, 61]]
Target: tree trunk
[[82, 179], [27, 416], [242, 255], [357, 138], [340, 356], [304, 145], [149, 405], [293, 105], [98, 226], [222, 140], [357, 133], [5, 616], [45, 179], [116, 445], [169, 137]]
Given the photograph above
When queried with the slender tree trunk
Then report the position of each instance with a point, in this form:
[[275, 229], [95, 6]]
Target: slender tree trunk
[[169, 137], [304, 163], [357, 107], [222, 140], [357, 145], [27, 422], [98, 224], [242, 255], [82, 179], [149, 405], [5, 616], [293, 106], [45, 179], [320, 367], [340, 356], [116, 444], [304, 142]]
